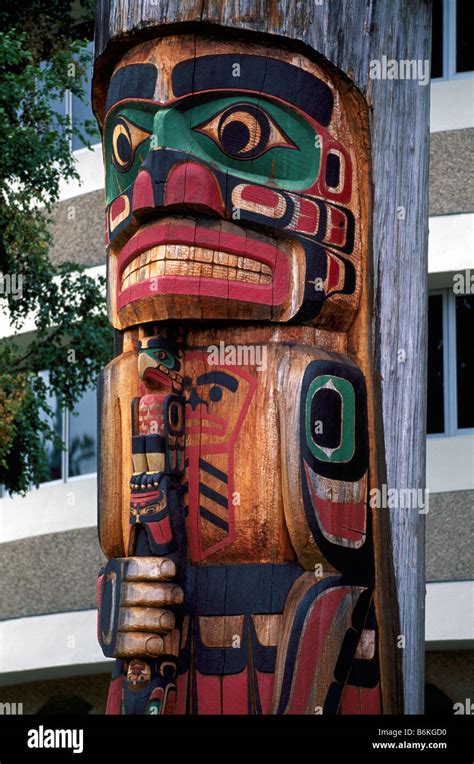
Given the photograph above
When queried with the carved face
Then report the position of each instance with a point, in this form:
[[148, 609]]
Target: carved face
[[138, 674], [217, 400], [231, 187]]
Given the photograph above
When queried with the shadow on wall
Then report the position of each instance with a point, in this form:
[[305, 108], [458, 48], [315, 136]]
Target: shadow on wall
[[436, 701], [65, 704]]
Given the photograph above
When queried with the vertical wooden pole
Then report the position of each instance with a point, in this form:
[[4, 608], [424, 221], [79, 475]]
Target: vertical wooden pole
[[351, 34]]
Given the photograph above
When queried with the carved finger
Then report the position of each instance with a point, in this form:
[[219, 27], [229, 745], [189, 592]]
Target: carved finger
[[151, 619], [151, 595], [149, 569], [138, 644]]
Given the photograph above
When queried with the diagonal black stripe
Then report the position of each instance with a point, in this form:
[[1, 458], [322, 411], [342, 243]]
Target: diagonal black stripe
[[212, 518], [211, 494], [212, 470]]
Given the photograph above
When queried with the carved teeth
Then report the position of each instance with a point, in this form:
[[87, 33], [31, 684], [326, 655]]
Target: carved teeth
[[182, 260]]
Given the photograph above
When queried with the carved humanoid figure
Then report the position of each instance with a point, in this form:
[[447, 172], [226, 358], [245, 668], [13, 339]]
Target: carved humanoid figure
[[240, 435]]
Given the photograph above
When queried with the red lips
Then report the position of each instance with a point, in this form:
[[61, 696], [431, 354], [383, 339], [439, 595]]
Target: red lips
[[235, 243]]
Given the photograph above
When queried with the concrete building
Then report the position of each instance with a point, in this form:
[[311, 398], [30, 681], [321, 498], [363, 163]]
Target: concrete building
[[49, 657]]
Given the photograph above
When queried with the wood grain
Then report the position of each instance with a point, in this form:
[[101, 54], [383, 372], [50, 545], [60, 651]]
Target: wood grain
[[348, 35]]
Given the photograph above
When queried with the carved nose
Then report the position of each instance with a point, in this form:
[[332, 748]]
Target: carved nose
[[193, 184], [195, 402]]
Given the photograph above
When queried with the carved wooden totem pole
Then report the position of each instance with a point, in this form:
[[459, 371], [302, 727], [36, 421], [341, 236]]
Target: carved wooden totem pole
[[240, 432]]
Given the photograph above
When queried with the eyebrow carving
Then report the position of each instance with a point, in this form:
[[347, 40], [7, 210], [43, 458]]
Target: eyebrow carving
[[132, 81], [219, 378], [257, 74]]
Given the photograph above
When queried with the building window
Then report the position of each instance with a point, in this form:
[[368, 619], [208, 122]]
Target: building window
[[77, 111], [464, 361], [78, 430], [464, 35], [81, 111], [82, 436], [54, 456], [450, 363], [437, 46], [452, 52]]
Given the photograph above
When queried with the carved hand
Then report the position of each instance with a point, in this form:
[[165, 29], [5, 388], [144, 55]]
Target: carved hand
[[137, 597]]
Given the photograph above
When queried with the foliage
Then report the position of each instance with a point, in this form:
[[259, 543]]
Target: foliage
[[42, 55]]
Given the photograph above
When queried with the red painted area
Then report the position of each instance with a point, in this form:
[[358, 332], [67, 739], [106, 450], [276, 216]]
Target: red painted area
[[360, 700], [350, 701], [312, 642], [200, 422], [336, 518], [161, 531], [345, 192], [192, 183], [235, 243], [208, 694], [193, 285], [170, 703], [370, 700], [99, 600], [142, 192], [308, 218], [117, 207], [261, 195], [203, 422], [265, 683], [155, 375], [150, 414], [156, 495], [334, 273], [336, 231], [114, 699], [234, 693], [182, 691], [195, 543], [342, 520], [153, 399]]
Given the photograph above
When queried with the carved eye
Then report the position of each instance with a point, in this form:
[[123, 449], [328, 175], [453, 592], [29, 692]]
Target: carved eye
[[126, 137], [244, 131], [215, 393]]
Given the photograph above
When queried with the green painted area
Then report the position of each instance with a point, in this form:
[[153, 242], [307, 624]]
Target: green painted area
[[117, 182], [168, 361], [293, 169], [153, 708], [345, 451]]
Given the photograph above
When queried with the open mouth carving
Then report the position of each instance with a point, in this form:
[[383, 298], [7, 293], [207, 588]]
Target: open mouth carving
[[185, 260], [181, 256]]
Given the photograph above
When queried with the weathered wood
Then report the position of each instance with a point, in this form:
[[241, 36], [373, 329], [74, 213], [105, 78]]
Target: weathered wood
[[349, 35]]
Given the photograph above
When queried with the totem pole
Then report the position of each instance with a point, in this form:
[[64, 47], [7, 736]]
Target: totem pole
[[241, 430]]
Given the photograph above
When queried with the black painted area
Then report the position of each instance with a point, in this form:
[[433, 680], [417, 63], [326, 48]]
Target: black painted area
[[333, 170], [355, 468], [133, 81], [326, 408], [238, 589], [256, 74]]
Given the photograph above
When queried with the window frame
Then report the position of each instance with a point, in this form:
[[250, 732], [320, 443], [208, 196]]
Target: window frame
[[450, 392], [449, 45], [70, 478]]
